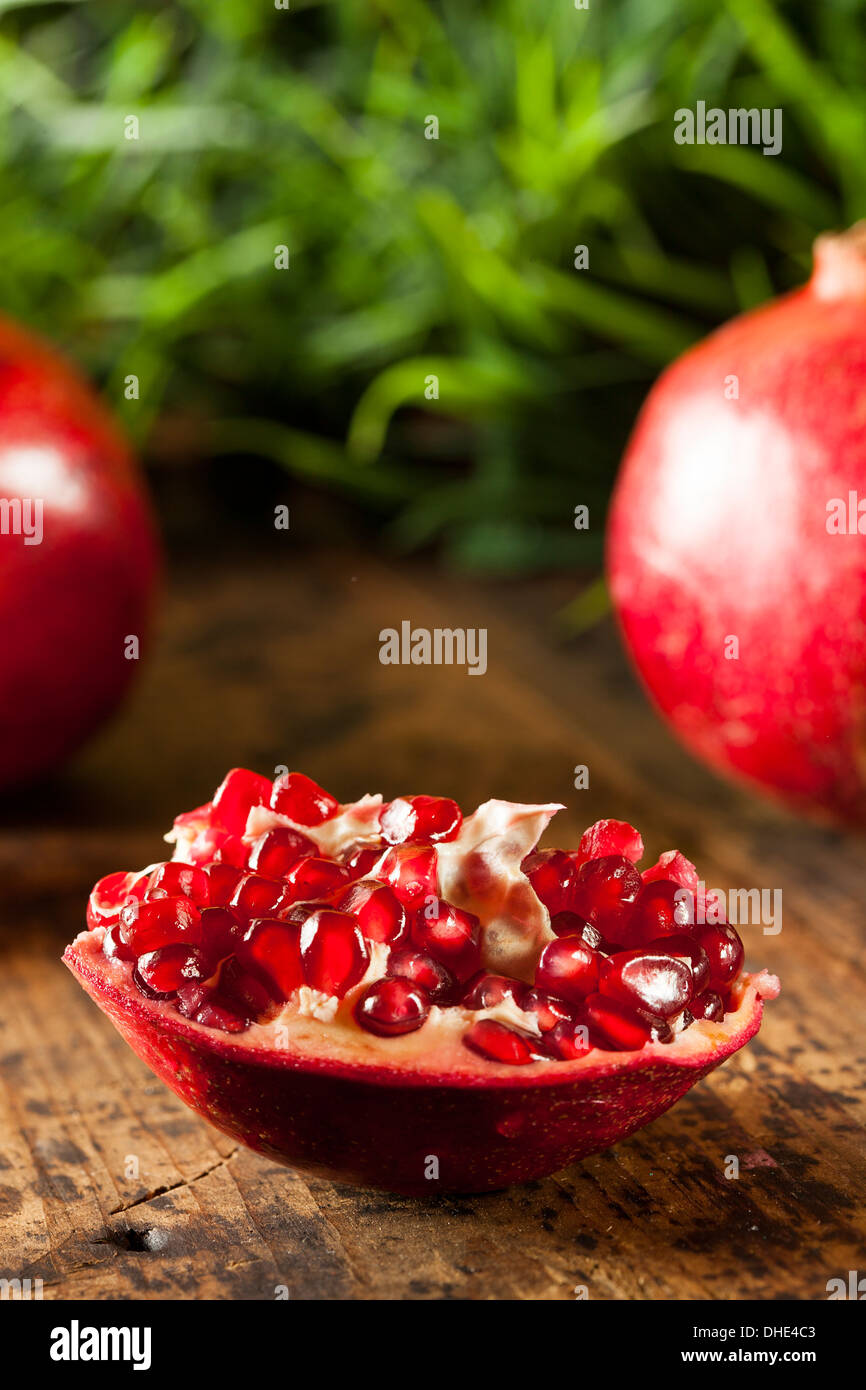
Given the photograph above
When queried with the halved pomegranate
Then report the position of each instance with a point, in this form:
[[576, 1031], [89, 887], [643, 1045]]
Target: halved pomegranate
[[312, 1030]]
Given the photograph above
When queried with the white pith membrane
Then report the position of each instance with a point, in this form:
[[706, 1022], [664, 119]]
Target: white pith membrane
[[480, 872]]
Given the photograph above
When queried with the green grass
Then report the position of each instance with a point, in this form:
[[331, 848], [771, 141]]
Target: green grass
[[413, 257]]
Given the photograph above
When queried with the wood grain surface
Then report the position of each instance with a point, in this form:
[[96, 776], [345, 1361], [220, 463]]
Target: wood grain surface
[[110, 1188]]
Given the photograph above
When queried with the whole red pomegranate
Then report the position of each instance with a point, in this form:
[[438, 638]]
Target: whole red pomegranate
[[78, 559], [737, 542], [449, 1016]]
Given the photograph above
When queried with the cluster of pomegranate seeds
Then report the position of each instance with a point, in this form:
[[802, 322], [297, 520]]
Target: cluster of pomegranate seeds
[[230, 938]]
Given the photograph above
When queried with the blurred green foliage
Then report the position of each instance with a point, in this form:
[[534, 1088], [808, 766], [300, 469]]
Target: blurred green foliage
[[410, 256]]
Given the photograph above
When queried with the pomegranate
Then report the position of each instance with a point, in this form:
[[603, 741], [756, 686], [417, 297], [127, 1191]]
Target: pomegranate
[[335, 1035], [78, 559], [734, 549]]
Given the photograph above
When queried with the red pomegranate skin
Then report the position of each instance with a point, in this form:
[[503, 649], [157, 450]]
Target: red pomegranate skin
[[68, 604], [378, 1126], [718, 530]]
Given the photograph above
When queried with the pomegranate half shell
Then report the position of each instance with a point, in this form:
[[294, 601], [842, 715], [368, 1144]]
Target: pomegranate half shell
[[416, 1125]]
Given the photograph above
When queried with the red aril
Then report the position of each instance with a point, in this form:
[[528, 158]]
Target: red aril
[[617, 1026], [149, 925], [724, 951], [662, 908], [708, 1005], [114, 946], [608, 837], [648, 980], [548, 1010], [273, 949], [257, 896], [223, 880], [552, 874], [485, 990], [222, 930], [411, 871], [235, 797], [335, 955], [215, 1013], [604, 893], [391, 1007], [313, 878], [109, 895], [245, 991], [361, 856], [379, 911], [431, 975], [675, 866], [567, 1040], [687, 949], [499, 1043], [568, 968], [449, 934], [420, 820], [302, 799], [161, 973], [277, 851], [179, 880]]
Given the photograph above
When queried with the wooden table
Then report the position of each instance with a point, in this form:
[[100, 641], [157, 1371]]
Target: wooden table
[[272, 659]]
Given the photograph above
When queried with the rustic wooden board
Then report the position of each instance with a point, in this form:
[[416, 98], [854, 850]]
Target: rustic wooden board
[[111, 1188]]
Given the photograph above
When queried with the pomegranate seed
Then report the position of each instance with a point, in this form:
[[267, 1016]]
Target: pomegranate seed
[[273, 948], [161, 973], [176, 880], [231, 849], [499, 1043], [549, 1010], [567, 1040], [686, 948], [652, 981], [235, 797], [618, 1026], [662, 908], [608, 837], [334, 953], [377, 908], [108, 896], [190, 997], [411, 871], [708, 1005], [314, 878], [420, 819], [360, 857], [724, 950], [568, 968], [605, 892], [244, 991], [449, 934], [485, 990], [149, 926], [114, 947], [257, 896], [222, 930], [214, 1014], [569, 924], [673, 865], [223, 880], [392, 1006], [274, 853], [433, 977], [552, 875], [302, 799]]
